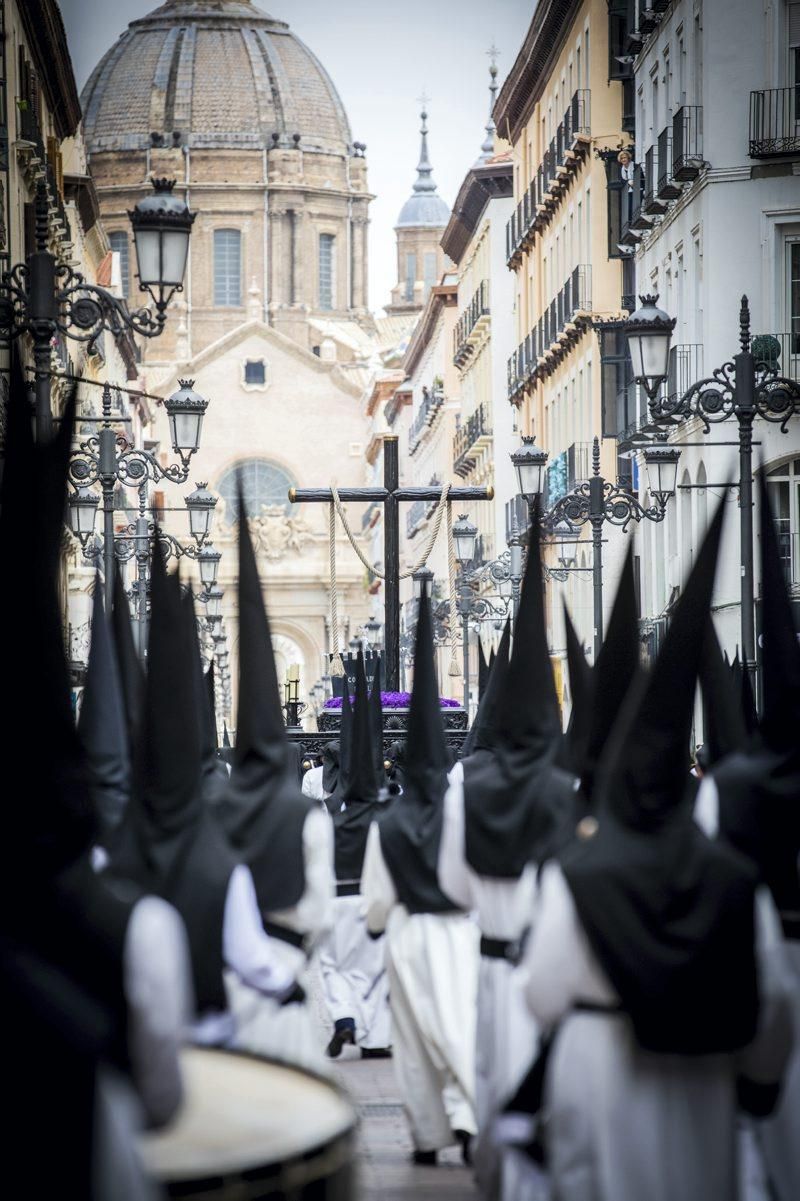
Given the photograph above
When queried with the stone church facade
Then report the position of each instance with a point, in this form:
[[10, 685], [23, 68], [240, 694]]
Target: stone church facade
[[273, 324]]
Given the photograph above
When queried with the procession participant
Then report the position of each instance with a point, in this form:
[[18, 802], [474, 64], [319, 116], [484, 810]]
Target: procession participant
[[102, 725], [213, 772], [321, 783], [642, 959], [431, 946], [483, 671], [285, 839], [129, 665], [752, 801], [500, 809], [581, 683], [352, 964], [169, 842], [481, 733]]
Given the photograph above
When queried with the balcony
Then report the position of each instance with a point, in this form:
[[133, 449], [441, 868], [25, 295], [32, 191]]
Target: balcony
[[432, 401], [560, 326], [568, 147], [635, 220], [687, 143], [667, 188], [781, 351], [470, 439], [650, 201], [471, 325], [566, 470], [775, 122]]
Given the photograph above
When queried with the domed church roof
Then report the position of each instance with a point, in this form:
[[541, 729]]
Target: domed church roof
[[424, 208], [212, 74]]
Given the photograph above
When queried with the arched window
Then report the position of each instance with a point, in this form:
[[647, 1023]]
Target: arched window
[[118, 240], [263, 483], [227, 267]]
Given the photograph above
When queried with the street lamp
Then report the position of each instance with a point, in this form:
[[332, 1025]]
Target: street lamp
[[214, 601], [745, 388], [569, 537], [662, 471], [649, 333], [208, 562], [185, 409], [529, 462], [200, 504], [423, 578], [161, 224], [373, 632], [43, 297], [465, 537], [82, 503]]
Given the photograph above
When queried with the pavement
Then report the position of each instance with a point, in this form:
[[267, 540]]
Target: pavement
[[385, 1170]]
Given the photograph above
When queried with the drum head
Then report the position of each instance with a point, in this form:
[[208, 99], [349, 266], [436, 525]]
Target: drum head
[[241, 1112]]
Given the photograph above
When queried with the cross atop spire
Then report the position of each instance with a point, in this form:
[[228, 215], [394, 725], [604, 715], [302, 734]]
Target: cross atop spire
[[487, 148]]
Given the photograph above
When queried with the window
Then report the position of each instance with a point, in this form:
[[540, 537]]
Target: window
[[430, 270], [793, 277], [255, 373], [411, 275], [119, 244], [783, 489], [325, 268], [263, 483], [227, 268]]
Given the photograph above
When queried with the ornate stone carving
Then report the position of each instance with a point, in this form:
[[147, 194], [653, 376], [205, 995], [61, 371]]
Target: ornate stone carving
[[277, 534]]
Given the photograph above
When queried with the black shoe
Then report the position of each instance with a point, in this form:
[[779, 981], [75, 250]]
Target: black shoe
[[376, 1052], [343, 1035], [424, 1159], [465, 1140]]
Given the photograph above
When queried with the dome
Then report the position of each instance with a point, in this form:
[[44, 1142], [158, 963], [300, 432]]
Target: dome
[[424, 208], [216, 74]]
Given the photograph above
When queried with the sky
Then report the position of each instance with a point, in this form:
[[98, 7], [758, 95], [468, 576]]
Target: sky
[[382, 55]]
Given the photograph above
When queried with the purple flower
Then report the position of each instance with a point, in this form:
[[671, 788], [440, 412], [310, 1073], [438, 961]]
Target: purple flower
[[393, 700]]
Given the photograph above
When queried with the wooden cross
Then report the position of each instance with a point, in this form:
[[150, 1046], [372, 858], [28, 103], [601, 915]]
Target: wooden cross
[[390, 496]]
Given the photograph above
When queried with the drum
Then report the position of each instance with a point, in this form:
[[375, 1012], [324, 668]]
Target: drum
[[253, 1130]]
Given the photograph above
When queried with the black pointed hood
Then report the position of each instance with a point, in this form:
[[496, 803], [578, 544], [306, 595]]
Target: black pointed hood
[[361, 776], [616, 670], [581, 681], [209, 679], [514, 794], [483, 671], [725, 730], [214, 776], [482, 733], [263, 809], [669, 914], [644, 770], [102, 726], [131, 673], [411, 830], [780, 711], [376, 721], [744, 691]]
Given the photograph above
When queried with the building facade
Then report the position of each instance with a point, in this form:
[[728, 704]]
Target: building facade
[[563, 110]]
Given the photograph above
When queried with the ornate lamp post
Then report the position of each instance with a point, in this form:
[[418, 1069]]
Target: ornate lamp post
[[744, 388], [42, 297], [598, 501]]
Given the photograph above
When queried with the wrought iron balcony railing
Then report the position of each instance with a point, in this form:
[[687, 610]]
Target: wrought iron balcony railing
[[468, 324], [432, 401], [470, 438], [781, 351], [558, 328], [687, 143], [774, 122], [419, 512]]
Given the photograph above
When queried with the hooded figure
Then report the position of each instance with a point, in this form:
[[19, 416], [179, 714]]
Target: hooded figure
[[431, 947], [170, 843], [581, 681], [79, 957], [213, 773], [376, 723], [102, 724], [129, 667], [643, 949], [283, 836], [481, 733], [353, 971], [752, 800], [483, 671], [501, 809]]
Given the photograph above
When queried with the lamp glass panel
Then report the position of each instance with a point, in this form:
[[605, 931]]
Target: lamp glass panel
[[176, 248], [209, 566], [186, 429], [148, 245], [465, 546]]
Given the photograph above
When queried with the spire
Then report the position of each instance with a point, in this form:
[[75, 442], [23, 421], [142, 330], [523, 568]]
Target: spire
[[487, 148], [424, 181]]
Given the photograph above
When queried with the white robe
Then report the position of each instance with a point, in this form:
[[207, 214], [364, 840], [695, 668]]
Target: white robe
[[506, 1038], [263, 1025], [624, 1124], [312, 785], [432, 969], [778, 1136]]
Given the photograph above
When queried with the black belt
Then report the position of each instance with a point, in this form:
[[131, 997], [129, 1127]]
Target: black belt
[[348, 888], [500, 948], [284, 934], [607, 1010]]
